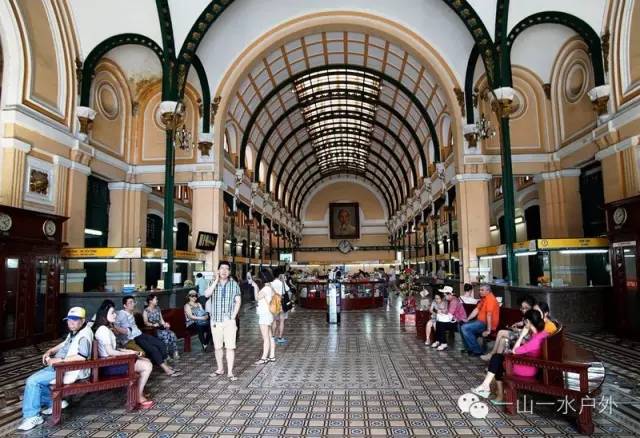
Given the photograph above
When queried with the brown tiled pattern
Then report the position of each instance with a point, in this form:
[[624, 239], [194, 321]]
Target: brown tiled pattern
[[368, 377]]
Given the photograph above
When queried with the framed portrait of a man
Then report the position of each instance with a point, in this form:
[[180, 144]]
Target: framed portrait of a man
[[344, 220]]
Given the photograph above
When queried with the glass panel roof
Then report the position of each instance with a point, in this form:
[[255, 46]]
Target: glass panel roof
[[338, 121]]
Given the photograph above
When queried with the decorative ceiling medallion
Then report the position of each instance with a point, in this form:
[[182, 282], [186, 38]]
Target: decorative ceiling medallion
[[345, 247]]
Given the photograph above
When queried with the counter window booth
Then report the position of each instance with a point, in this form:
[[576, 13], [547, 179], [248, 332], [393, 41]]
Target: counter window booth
[[353, 294], [550, 263]]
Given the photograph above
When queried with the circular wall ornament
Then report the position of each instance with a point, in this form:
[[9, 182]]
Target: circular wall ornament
[[620, 216], [108, 102], [576, 82]]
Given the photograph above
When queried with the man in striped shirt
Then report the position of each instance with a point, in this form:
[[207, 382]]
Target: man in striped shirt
[[223, 306]]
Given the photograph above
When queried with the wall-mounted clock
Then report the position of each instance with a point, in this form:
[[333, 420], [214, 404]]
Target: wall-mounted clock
[[345, 246], [620, 216], [49, 228], [5, 222]]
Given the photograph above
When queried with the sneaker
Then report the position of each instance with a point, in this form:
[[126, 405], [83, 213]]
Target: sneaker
[[49, 411], [442, 347], [31, 422], [435, 344]]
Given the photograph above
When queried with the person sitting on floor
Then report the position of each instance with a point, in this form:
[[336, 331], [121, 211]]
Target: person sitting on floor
[[37, 392], [449, 320], [197, 319], [482, 321], [152, 316], [534, 325], [438, 306], [549, 326], [127, 330], [510, 336], [106, 339]]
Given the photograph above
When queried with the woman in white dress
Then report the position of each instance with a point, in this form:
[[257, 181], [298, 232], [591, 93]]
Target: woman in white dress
[[265, 317], [105, 318]]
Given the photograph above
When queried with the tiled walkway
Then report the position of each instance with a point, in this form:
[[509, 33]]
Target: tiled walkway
[[369, 376]]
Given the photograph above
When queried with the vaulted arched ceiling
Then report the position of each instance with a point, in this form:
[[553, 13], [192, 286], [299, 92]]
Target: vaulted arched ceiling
[[339, 102]]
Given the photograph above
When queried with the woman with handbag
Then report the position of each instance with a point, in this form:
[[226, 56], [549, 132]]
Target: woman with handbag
[[197, 319], [448, 321], [281, 288], [265, 316]]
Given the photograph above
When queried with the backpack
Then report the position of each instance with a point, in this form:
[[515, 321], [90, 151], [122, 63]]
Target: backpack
[[275, 306], [286, 301]]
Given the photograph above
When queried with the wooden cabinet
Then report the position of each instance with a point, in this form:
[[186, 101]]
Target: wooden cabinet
[[30, 244]]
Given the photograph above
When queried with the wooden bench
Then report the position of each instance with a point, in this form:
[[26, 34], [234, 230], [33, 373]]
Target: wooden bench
[[565, 370], [95, 382], [176, 319]]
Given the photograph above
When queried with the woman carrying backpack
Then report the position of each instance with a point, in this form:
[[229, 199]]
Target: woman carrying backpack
[[281, 288], [265, 317]]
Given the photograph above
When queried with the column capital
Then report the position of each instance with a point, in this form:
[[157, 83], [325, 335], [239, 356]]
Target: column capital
[[113, 186], [600, 98], [464, 177], [207, 184], [546, 176], [14, 143]]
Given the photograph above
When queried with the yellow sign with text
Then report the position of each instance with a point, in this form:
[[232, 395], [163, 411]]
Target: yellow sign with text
[[594, 242]]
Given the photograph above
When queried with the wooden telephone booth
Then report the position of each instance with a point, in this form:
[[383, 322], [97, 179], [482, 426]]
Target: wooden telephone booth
[[30, 244], [623, 225]]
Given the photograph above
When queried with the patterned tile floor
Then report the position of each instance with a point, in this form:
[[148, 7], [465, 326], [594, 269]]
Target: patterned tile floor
[[368, 377]]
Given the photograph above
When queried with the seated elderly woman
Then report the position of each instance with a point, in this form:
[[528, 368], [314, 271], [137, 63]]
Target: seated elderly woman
[[534, 326], [152, 316]]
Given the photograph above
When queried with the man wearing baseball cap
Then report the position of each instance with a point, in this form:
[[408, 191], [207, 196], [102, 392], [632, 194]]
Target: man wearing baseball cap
[[76, 346]]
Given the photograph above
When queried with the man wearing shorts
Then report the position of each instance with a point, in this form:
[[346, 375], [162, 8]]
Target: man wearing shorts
[[223, 307]]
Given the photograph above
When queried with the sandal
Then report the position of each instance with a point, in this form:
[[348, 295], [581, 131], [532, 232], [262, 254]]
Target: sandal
[[261, 362], [483, 393], [272, 359], [146, 404], [175, 374], [233, 378], [216, 374]]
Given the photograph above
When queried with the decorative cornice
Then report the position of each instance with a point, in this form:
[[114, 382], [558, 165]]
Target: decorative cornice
[[557, 174], [69, 164], [113, 186], [618, 147], [207, 184], [108, 159], [14, 143]]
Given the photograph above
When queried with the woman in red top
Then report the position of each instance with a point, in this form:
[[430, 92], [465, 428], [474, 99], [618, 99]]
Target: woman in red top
[[534, 325]]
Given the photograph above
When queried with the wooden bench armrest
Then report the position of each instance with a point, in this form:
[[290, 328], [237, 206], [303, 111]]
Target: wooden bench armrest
[[572, 367], [62, 367]]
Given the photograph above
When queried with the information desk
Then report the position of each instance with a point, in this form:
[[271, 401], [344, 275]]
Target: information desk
[[354, 295]]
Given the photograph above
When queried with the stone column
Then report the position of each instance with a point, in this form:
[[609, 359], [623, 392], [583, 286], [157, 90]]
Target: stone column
[[620, 174], [472, 199], [561, 217], [207, 215], [127, 228], [560, 207], [72, 177], [13, 157]]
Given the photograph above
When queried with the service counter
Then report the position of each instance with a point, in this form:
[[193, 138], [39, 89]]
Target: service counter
[[579, 308], [354, 295]]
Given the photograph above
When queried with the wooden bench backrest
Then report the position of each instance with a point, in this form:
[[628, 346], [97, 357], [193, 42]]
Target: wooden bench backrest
[[552, 350], [175, 317]]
